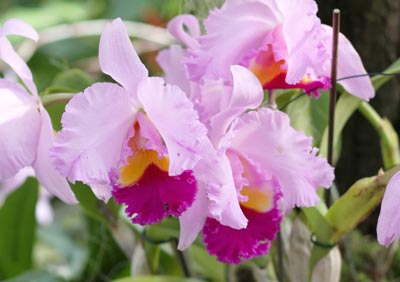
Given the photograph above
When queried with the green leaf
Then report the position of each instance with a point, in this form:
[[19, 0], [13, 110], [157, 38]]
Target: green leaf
[[18, 225], [166, 230], [310, 115], [380, 80], [345, 107], [359, 201], [67, 249], [388, 137], [49, 14], [284, 97], [72, 80], [322, 232], [106, 260], [157, 279], [55, 112], [207, 265], [94, 207], [348, 104]]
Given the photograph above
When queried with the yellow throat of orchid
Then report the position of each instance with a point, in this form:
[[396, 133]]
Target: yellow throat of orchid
[[265, 68], [259, 200], [137, 163]]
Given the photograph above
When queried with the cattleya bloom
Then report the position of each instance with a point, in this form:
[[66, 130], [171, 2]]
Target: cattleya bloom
[[274, 166], [26, 132], [139, 140], [281, 41], [270, 161], [388, 228]]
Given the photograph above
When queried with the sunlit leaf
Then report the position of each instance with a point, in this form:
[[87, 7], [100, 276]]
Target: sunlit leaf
[[49, 14], [358, 202]]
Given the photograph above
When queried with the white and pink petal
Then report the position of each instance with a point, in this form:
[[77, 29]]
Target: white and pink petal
[[20, 124], [186, 29], [193, 219], [96, 124], [18, 27], [388, 228], [45, 171], [173, 115], [267, 138], [172, 63], [232, 33], [247, 93], [349, 65], [17, 64], [118, 58]]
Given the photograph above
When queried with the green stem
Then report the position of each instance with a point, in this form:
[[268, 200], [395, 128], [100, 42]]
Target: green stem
[[388, 136], [55, 98], [371, 115], [271, 100], [148, 33], [182, 260]]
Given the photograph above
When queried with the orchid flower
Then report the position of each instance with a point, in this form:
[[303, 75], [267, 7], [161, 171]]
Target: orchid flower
[[388, 228], [270, 161], [274, 166], [281, 41], [139, 141], [26, 132]]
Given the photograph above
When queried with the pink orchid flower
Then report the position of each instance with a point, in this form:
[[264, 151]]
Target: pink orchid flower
[[270, 161], [388, 228], [274, 166], [281, 41], [140, 141], [26, 132]]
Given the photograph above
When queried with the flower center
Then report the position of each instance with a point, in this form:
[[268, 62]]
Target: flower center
[[137, 164], [272, 74], [265, 68], [259, 200]]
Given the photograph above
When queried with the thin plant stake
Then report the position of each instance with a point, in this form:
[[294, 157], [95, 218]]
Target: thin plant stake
[[332, 102]]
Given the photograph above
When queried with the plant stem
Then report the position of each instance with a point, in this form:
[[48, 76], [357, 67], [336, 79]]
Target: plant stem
[[182, 261], [371, 115], [153, 34], [332, 102], [271, 100], [386, 132], [281, 270], [55, 98]]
